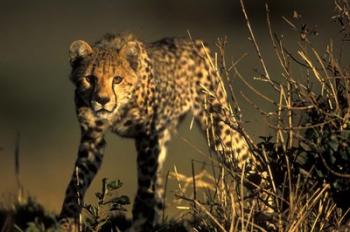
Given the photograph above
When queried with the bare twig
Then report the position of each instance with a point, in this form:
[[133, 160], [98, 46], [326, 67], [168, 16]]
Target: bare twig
[[17, 169], [267, 75]]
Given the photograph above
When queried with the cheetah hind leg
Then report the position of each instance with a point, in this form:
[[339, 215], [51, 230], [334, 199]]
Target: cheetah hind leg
[[222, 131], [227, 140]]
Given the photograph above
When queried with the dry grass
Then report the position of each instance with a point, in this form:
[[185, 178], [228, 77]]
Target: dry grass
[[295, 196]]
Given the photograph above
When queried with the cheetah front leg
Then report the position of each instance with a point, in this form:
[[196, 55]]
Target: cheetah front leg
[[87, 164], [149, 201]]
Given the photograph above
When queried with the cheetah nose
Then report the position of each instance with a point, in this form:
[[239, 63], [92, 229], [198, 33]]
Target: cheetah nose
[[103, 100]]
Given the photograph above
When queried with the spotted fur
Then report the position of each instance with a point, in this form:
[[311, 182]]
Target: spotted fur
[[142, 91]]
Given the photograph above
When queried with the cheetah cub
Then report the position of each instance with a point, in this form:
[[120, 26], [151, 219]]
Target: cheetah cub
[[142, 90]]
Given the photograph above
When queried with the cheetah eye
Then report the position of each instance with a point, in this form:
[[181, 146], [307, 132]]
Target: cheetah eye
[[91, 79], [117, 80]]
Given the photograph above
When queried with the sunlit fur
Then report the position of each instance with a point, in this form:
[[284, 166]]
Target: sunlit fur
[[143, 90]]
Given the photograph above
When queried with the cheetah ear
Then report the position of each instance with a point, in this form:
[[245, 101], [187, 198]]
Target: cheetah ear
[[131, 51], [78, 50]]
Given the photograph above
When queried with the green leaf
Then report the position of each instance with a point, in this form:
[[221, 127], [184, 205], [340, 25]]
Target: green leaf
[[113, 185], [92, 210], [344, 155], [125, 200], [332, 159], [333, 144], [319, 173], [345, 133], [302, 158], [99, 195]]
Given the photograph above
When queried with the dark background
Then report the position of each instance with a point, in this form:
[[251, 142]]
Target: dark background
[[36, 96]]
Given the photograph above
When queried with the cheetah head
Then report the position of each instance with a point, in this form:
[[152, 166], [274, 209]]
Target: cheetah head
[[105, 74]]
